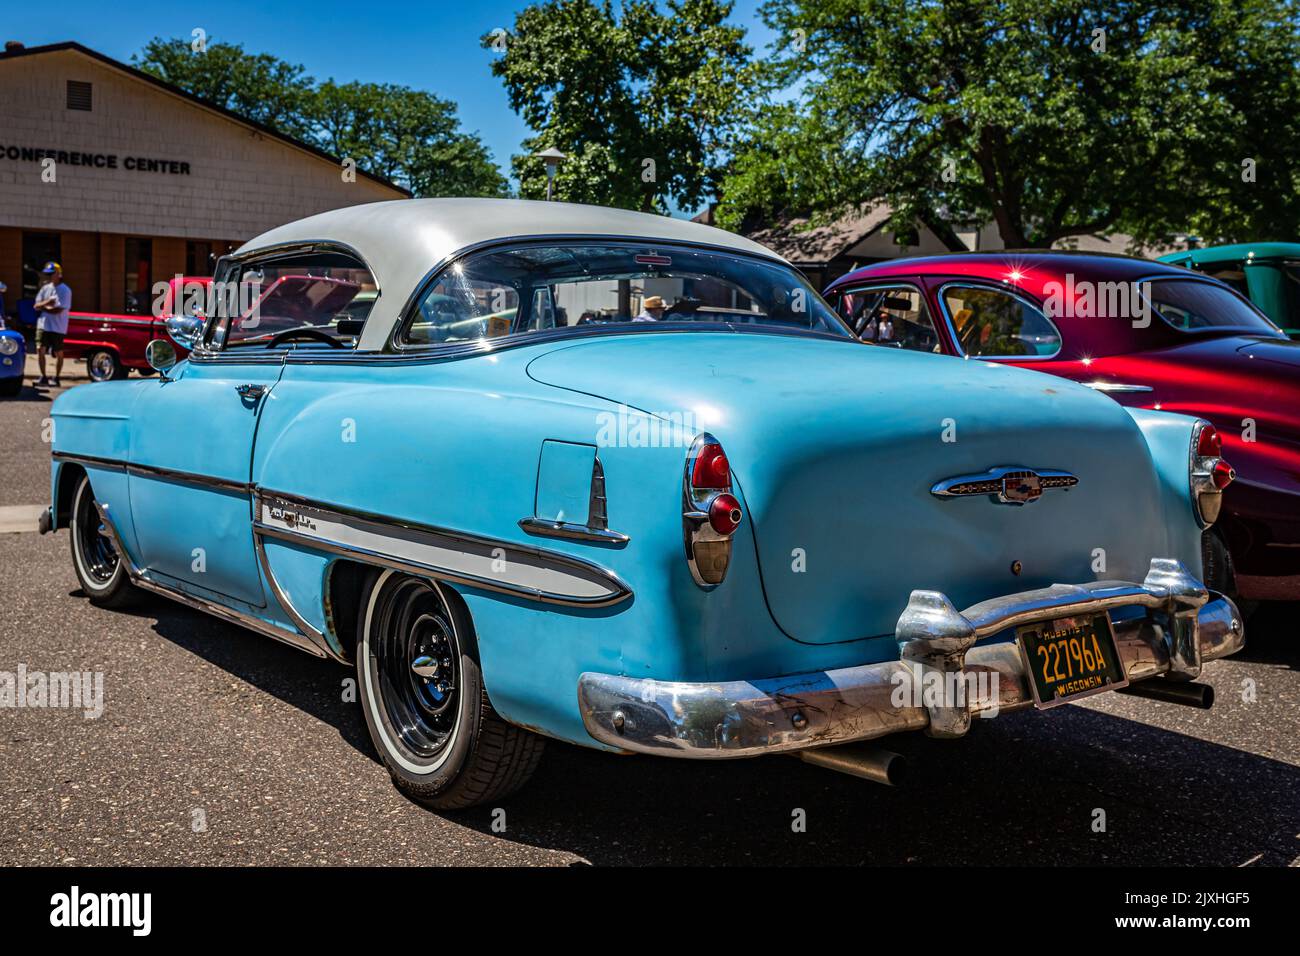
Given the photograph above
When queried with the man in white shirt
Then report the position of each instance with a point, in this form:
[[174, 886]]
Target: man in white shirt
[[886, 328], [53, 303]]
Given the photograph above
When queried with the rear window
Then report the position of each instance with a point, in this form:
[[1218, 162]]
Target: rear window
[[1192, 306], [540, 287]]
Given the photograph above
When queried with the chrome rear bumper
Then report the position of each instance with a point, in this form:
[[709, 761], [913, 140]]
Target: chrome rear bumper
[[1182, 627]]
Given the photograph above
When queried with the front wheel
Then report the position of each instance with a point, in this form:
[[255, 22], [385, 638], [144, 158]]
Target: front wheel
[[424, 701], [103, 365], [100, 569]]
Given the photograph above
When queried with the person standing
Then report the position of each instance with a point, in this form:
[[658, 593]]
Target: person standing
[[53, 303], [885, 327]]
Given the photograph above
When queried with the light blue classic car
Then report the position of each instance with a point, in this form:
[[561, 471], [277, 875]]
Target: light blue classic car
[[547, 470]]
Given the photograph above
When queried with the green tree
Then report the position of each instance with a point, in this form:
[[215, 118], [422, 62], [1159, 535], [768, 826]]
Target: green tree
[[256, 85], [642, 102], [1051, 118], [408, 136]]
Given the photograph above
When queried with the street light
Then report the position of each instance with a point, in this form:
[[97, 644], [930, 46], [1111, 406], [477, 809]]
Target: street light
[[553, 157]]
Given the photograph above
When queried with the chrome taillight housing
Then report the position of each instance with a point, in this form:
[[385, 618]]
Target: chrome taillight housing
[[1210, 474], [711, 513]]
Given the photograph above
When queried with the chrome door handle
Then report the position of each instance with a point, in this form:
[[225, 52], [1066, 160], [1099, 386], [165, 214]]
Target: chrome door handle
[[251, 392]]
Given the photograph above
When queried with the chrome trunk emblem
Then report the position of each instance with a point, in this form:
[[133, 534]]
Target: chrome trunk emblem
[[1009, 485]]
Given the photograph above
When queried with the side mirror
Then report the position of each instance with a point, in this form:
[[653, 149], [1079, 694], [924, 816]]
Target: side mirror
[[184, 330], [161, 356]]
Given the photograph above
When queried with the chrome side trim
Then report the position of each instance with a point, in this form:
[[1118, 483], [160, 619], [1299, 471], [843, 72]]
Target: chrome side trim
[[488, 563], [571, 532], [596, 530], [152, 471], [316, 637], [1117, 387], [141, 579], [749, 718]]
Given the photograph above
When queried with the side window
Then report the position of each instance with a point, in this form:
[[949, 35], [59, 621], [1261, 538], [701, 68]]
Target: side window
[[992, 323], [893, 316], [314, 294]]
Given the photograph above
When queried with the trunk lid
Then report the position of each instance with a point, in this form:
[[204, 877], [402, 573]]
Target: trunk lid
[[835, 448]]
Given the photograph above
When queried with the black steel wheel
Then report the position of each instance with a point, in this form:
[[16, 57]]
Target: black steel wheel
[[423, 697]]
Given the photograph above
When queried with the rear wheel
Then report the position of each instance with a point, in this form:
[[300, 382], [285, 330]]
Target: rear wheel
[[100, 569], [424, 701], [103, 365]]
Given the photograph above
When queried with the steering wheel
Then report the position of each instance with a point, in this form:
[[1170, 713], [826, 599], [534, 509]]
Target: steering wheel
[[307, 333]]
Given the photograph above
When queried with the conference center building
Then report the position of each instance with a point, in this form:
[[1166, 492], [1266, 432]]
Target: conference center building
[[127, 180]]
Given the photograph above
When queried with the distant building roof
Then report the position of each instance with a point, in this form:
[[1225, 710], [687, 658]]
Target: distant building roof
[[804, 244]]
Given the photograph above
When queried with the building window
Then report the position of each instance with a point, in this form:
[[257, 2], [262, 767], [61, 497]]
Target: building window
[[78, 95], [139, 268], [198, 258]]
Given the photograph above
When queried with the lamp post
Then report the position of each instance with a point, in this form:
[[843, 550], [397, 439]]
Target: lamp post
[[553, 157]]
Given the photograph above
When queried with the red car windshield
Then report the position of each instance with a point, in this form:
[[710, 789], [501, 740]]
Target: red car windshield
[[1192, 306]]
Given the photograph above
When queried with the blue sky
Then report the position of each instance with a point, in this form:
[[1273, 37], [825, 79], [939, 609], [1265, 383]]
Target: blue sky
[[432, 46]]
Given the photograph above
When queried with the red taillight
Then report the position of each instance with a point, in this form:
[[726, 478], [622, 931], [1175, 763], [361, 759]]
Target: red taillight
[[725, 514], [1209, 444], [1223, 474], [711, 469]]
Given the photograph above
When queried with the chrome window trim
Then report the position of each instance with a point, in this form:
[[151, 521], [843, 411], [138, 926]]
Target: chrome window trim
[[406, 315], [206, 355], [1023, 297]]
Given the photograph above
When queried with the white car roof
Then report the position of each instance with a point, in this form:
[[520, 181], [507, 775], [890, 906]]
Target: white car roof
[[402, 240]]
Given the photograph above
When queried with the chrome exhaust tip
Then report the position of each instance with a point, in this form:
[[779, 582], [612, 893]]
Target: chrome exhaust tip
[[1186, 693], [868, 763]]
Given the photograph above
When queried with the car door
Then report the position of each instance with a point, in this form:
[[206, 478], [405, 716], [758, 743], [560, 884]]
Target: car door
[[191, 452]]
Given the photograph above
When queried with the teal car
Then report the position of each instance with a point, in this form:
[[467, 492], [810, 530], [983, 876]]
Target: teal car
[[723, 531], [1267, 273]]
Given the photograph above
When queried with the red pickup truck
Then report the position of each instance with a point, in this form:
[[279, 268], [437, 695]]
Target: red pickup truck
[[112, 345]]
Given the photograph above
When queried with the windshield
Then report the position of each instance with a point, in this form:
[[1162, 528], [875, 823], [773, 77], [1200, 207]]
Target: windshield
[[538, 287], [1192, 306]]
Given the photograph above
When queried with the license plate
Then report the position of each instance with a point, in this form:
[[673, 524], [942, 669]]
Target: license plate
[[1070, 657]]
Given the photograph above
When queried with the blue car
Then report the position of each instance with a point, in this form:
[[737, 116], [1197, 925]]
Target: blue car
[[13, 358], [540, 470]]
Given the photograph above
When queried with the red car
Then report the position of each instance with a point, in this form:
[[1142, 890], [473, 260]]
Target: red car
[[1149, 335], [112, 345]]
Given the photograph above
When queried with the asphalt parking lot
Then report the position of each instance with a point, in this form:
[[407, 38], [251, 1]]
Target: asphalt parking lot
[[217, 746]]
